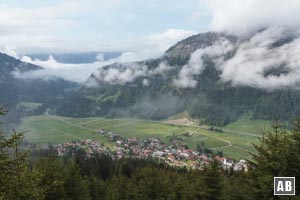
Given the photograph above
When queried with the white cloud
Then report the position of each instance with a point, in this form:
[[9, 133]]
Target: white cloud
[[81, 72], [100, 57], [51, 68], [152, 45], [255, 57], [79, 25], [122, 75], [240, 17], [252, 61], [129, 57], [128, 72], [162, 68], [195, 66], [260, 24], [165, 40], [145, 82], [46, 26], [9, 50]]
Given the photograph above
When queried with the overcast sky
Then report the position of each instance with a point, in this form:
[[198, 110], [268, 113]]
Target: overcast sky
[[105, 25], [114, 25]]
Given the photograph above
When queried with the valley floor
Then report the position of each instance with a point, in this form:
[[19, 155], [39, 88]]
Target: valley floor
[[56, 130]]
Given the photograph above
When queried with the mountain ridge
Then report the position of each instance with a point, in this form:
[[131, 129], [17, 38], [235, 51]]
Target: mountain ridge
[[212, 100], [146, 89]]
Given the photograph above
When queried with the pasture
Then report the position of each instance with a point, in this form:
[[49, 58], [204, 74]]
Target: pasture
[[246, 124], [55, 129]]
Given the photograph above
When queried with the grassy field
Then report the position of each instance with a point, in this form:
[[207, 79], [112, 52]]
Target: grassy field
[[236, 153], [54, 129], [248, 125], [44, 129]]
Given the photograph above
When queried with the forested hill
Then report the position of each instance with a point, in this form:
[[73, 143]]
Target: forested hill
[[8, 86], [146, 89], [15, 90]]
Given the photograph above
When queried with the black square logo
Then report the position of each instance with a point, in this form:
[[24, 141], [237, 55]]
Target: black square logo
[[284, 185]]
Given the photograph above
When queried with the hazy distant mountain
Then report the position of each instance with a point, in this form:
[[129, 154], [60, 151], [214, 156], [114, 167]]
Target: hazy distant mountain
[[14, 90], [76, 58], [8, 84]]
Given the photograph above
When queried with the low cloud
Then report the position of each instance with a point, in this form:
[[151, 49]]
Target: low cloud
[[145, 82], [128, 72], [158, 107], [52, 68], [186, 76], [162, 68], [258, 55], [251, 61], [274, 49], [9, 50], [122, 74], [139, 49], [78, 72]]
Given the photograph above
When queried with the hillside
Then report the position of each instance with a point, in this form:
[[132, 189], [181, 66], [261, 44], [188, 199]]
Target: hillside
[[146, 89], [15, 90], [8, 86]]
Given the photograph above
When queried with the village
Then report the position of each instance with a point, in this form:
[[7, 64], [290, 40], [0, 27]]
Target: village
[[175, 154]]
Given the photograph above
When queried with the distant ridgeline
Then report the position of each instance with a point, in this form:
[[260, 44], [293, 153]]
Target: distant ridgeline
[[149, 90], [16, 90]]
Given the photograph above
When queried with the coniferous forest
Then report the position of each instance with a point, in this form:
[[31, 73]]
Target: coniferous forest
[[41, 174]]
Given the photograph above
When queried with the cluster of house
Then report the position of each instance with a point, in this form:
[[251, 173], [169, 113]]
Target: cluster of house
[[90, 147], [236, 166], [176, 154]]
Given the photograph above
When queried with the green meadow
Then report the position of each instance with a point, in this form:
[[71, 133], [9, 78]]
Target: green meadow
[[246, 124], [54, 129]]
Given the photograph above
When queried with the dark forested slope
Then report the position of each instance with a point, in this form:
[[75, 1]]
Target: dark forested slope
[[147, 88], [14, 89]]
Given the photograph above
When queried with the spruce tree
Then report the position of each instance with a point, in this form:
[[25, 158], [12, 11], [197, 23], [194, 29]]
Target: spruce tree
[[17, 180], [278, 155]]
